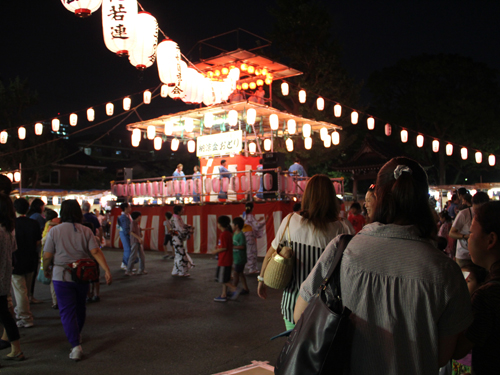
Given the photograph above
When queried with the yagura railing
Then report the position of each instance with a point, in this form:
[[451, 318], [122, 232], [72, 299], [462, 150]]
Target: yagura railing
[[212, 187]]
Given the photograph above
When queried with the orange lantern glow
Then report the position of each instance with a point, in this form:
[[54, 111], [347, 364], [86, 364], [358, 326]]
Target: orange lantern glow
[[243, 67], [449, 149], [264, 71], [244, 86], [73, 119], [252, 85], [404, 136], [268, 81], [337, 110], [217, 72], [302, 96], [251, 69], [354, 117], [260, 82], [225, 71]]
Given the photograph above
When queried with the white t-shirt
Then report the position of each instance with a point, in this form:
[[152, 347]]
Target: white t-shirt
[[168, 226], [462, 223]]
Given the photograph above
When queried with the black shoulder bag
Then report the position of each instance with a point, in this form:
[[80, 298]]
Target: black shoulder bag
[[320, 343]]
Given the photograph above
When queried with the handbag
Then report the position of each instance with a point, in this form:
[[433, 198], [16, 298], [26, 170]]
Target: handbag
[[83, 271], [320, 343], [41, 277], [279, 269]]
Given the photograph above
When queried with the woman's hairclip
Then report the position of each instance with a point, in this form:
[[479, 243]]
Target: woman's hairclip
[[400, 169]]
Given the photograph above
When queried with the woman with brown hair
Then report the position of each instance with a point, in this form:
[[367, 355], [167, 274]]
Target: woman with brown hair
[[308, 233]]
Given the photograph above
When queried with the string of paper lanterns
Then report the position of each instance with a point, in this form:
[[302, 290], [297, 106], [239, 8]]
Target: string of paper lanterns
[[370, 123]]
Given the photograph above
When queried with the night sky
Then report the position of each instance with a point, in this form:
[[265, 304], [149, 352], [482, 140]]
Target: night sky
[[66, 62]]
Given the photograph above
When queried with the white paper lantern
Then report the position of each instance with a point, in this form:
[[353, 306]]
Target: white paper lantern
[[127, 103], [479, 157], [274, 121], [335, 138], [232, 117], [267, 144], [370, 123], [252, 147], [38, 128], [10, 176], [464, 153], [151, 132], [208, 120], [491, 160], [169, 127], [284, 89], [388, 129], [306, 130], [146, 97], [55, 125], [327, 142], [73, 119], [157, 143], [174, 145], [164, 91], [21, 132], [354, 117], [404, 136], [302, 96], [188, 124], [167, 56], [90, 114], [435, 145], [449, 149], [82, 8], [337, 110], [110, 109], [191, 146], [291, 126], [323, 133], [143, 54], [308, 143], [17, 176], [119, 20], [251, 115], [320, 103], [289, 145], [136, 137], [3, 137], [420, 140]]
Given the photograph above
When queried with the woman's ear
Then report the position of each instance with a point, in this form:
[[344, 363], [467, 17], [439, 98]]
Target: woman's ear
[[493, 240]]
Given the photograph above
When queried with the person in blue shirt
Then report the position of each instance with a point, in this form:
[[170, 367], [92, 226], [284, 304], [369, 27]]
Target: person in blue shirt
[[180, 176], [224, 172], [296, 169], [124, 222], [196, 176]]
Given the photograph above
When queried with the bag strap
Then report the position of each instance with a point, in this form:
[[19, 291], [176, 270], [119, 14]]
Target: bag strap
[[341, 246], [286, 228]]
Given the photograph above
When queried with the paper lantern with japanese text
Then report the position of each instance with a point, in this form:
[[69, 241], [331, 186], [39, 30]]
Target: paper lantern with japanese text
[[284, 89], [55, 125], [127, 102], [90, 114], [3, 137], [73, 119], [168, 54], [21, 132], [491, 160], [291, 126], [479, 157], [110, 109], [289, 144], [119, 20], [178, 91], [82, 8], [143, 53], [320, 104], [38, 128], [435, 145], [306, 130], [274, 122], [354, 117], [404, 136], [449, 149]]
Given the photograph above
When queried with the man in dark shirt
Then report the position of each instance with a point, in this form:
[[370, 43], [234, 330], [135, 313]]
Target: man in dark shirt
[[89, 217], [28, 237]]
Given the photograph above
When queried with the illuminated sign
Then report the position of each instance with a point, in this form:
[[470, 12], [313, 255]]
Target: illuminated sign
[[219, 144]]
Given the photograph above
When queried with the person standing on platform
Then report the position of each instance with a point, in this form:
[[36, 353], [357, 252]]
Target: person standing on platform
[[180, 233], [124, 222], [296, 169], [180, 176], [260, 94], [224, 173], [253, 229], [28, 238], [196, 177]]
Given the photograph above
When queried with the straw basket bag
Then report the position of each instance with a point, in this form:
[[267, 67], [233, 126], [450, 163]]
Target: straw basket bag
[[279, 269]]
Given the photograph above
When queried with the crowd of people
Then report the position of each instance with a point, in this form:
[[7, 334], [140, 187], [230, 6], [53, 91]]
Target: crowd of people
[[423, 287]]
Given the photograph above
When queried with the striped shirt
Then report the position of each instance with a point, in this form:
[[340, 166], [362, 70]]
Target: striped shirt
[[403, 293], [308, 244]]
